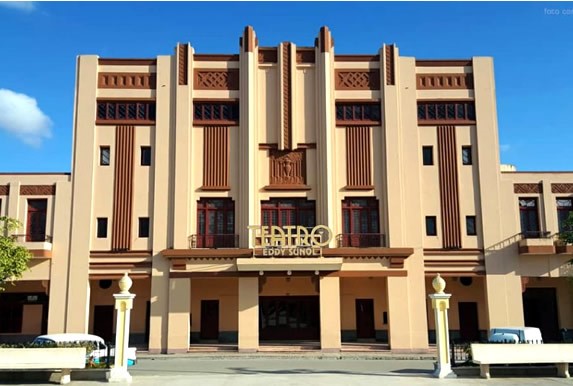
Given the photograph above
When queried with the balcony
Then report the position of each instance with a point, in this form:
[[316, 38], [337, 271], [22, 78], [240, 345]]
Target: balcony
[[40, 245], [360, 240], [214, 241], [536, 243], [561, 246]]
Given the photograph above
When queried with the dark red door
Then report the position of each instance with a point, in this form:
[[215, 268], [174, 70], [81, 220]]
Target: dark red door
[[469, 328], [365, 319], [103, 322], [209, 320]]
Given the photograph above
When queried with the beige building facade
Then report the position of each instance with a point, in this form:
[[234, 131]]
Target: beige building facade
[[288, 194]]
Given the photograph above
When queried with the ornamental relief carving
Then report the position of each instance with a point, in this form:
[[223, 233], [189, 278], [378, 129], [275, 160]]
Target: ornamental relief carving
[[217, 79], [37, 190], [287, 167], [444, 81], [527, 188], [126, 80], [357, 80], [561, 188]]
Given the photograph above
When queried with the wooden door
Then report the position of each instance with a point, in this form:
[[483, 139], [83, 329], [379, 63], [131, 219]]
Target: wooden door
[[209, 320], [365, 319], [469, 324], [103, 322]]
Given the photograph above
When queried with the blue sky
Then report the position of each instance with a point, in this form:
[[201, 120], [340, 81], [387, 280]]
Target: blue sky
[[531, 44]]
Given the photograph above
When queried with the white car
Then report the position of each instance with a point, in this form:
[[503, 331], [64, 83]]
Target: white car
[[99, 353], [531, 335]]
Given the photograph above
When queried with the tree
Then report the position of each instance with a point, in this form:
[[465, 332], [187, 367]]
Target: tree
[[566, 234], [13, 257]]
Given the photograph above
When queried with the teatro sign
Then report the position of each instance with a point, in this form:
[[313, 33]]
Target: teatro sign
[[293, 241]]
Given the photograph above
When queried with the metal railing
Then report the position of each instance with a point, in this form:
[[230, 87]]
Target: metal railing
[[33, 237], [535, 235], [460, 353], [214, 241], [360, 240]]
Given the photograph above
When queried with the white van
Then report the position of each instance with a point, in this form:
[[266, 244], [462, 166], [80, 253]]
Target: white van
[[531, 335], [99, 353]]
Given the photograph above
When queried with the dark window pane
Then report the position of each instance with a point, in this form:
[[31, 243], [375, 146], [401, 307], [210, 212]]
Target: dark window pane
[[427, 155], [357, 112], [460, 111], [131, 111], [101, 110], [104, 155], [471, 225], [145, 155], [101, 228], [121, 111], [431, 229], [207, 112], [471, 112], [144, 227], [441, 111], [431, 111], [451, 111], [422, 111], [466, 155], [198, 111], [226, 109], [339, 112], [217, 112], [111, 110], [348, 113]]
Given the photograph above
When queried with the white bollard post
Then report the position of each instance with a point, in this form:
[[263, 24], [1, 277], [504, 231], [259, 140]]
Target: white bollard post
[[440, 304], [123, 305]]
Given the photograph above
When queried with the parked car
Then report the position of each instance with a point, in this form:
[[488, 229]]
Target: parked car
[[531, 335], [98, 355]]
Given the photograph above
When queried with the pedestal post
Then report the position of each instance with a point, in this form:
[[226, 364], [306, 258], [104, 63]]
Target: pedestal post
[[440, 304], [123, 305]]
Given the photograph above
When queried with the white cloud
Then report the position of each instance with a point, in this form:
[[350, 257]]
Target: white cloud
[[21, 116], [25, 6], [504, 148]]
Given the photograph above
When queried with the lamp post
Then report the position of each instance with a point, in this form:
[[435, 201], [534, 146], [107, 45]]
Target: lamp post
[[123, 305], [440, 304]]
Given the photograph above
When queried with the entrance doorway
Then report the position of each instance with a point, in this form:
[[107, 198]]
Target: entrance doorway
[[209, 320], [365, 319], [103, 322], [289, 318], [540, 310], [469, 322]]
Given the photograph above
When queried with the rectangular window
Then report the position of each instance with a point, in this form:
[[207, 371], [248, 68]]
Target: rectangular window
[[359, 113], [466, 155], [360, 223], [428, 155], [433, 112], [144, 227], [11, 313], [104, 155], [564, 210], [36, 224], [471, 226], [101, 227], [216, 223], [431, 228], [126, 111], [529, 217], [216, 112], [145, 156]]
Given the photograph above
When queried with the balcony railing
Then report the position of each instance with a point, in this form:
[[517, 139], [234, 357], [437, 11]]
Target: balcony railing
[[214, 241], [33, 237], [360, 240], [535, 235]]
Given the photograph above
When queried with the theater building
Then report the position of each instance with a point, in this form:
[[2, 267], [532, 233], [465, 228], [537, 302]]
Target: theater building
[[289, 194]]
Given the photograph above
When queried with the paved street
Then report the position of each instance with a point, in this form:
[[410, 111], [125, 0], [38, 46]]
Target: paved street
[[301, 371]]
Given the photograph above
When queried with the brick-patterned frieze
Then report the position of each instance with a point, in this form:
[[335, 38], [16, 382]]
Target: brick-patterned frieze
[[37, 190], [527, 188], [561, 188], [126, 80], [217, 79], [444, 81], [357, 80]]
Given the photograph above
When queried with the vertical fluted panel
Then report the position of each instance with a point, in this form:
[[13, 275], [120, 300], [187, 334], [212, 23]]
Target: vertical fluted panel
[[358, 157], [216, 157], [449, 191], [183, 62], [123, 188], [287, 97]]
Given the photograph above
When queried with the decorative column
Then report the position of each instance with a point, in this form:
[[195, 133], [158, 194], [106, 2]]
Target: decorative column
[[440, 304], [123, 305]]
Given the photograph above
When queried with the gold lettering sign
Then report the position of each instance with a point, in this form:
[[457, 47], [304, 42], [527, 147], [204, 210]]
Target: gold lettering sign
[[294, 241]]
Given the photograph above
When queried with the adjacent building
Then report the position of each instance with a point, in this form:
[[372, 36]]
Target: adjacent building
[[288, 193]]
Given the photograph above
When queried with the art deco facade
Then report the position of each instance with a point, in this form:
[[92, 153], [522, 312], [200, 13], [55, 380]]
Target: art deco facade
[[178, 157]]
